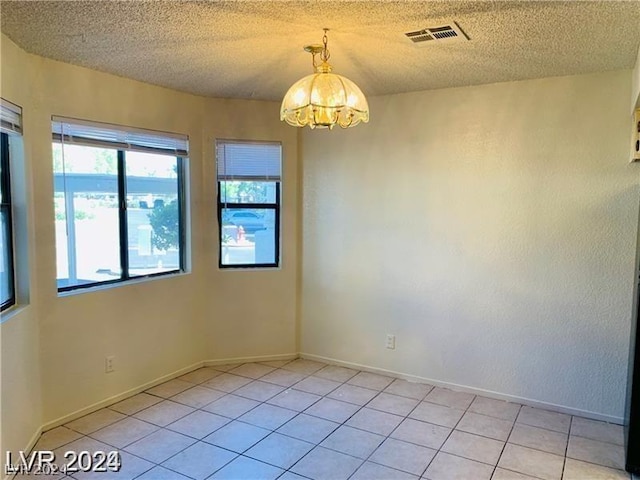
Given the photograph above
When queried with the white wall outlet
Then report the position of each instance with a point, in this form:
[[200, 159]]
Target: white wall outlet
[[109, 364], [391, 342]]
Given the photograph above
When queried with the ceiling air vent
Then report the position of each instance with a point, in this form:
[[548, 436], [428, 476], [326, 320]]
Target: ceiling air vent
[[439, 34]]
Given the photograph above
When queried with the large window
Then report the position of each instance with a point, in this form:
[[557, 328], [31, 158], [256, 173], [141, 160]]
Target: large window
[[7, 290], [10, 124], [249, 175], [119, 203]]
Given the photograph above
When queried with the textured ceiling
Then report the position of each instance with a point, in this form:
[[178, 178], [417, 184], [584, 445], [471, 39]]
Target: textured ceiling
[[252, 49]]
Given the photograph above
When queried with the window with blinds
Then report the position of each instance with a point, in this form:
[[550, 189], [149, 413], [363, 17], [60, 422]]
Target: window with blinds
[[249, 180], [119, 202], [82, 132], [10, 118], [10, 126]]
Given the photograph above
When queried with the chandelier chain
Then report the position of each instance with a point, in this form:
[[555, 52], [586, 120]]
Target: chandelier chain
[[325, 50]]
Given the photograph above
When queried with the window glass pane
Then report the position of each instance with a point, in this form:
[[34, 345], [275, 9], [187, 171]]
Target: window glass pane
[[86, 213], [153, 213], [6, 275], [2, 199], [7, 291], [248, 236], [247, 192]]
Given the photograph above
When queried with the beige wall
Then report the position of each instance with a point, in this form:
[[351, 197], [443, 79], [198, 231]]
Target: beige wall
[[256, 310], [491, 228], [20, 373], [21, 401], [156, 327]]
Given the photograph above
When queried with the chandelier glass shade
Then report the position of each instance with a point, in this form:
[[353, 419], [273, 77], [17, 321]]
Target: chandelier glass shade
[[324, 99]]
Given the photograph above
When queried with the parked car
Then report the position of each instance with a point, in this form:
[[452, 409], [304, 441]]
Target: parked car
[[157, 203], [249, 221]]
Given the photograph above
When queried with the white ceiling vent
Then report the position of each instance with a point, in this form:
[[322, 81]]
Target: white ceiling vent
[[442, 33]]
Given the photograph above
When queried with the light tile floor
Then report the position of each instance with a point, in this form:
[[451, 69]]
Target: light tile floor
[[304, 419]]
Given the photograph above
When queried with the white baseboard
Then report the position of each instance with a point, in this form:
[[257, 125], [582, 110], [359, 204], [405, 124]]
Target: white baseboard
[[261, 358], [141, 388], [32, 442], [476, 391], [117, 398]]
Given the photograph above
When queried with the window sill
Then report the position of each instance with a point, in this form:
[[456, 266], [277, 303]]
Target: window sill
[[12, 311], [233, 268], [133, 281]]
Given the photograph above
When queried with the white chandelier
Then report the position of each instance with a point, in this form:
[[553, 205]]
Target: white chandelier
[[324, 99]]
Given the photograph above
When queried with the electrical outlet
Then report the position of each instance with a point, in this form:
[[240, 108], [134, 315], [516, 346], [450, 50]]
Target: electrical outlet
[[391, 342], [109, 364]]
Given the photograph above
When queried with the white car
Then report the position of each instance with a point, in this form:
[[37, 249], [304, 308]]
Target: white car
[[249, 221]]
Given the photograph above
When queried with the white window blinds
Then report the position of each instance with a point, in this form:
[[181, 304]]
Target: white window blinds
[[248, 161], [93, 134], [10, 117]]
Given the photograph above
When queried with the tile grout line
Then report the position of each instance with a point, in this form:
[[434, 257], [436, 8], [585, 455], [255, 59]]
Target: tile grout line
[[388, 436], [453, 429], [513, 425], [343, 423], [566, 448], [409, 416], [385, 438]]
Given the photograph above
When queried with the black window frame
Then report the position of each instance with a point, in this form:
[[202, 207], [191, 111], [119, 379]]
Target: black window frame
[[250, 206], [123, 228], [6, 205]]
